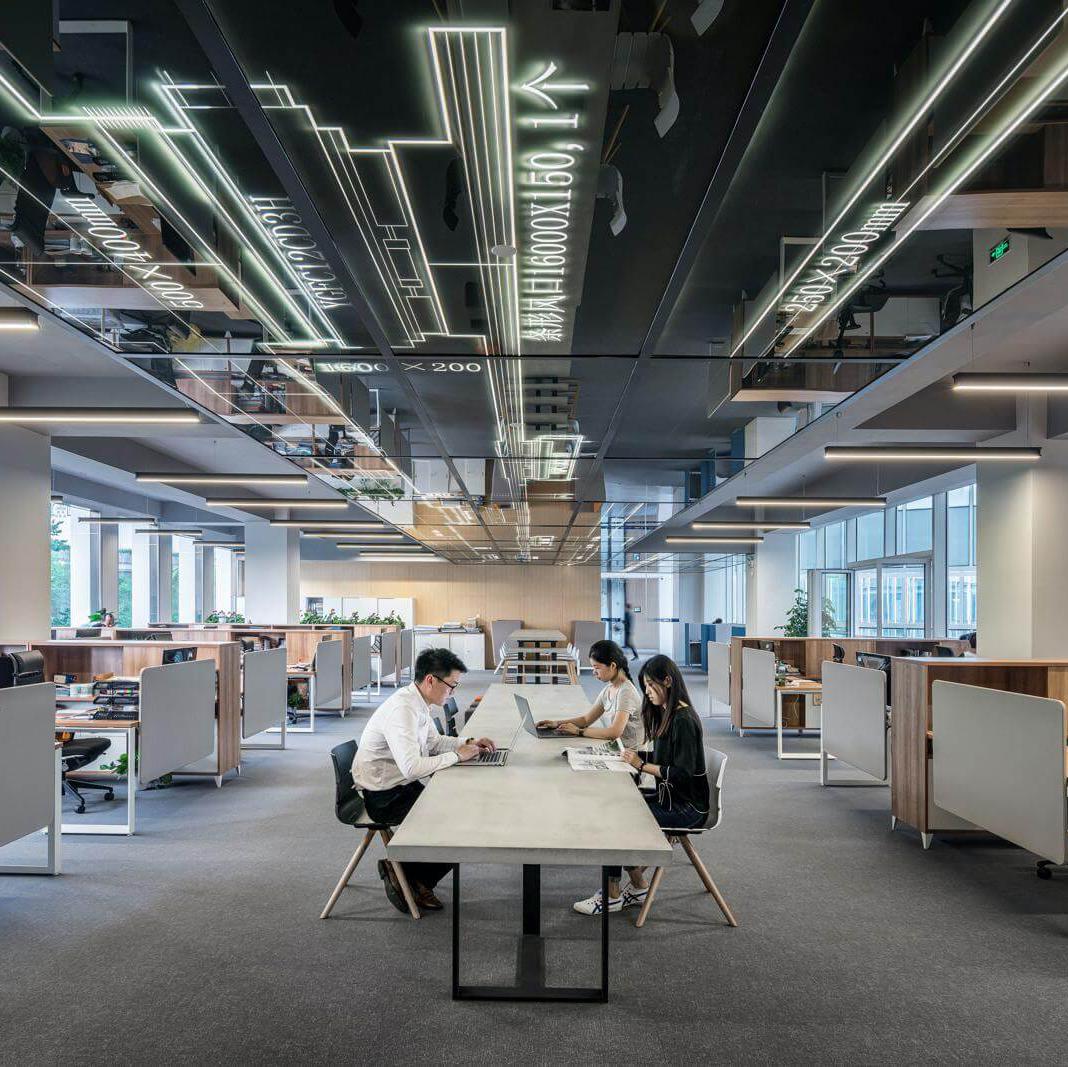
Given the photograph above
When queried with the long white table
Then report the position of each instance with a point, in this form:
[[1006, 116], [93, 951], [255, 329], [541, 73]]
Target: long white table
[[535, 811]]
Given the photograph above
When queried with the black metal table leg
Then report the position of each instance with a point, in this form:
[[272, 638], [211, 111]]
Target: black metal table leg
[[530, 951]]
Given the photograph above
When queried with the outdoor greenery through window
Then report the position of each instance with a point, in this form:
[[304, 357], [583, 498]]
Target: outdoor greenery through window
[[61, 537], [960, 561]]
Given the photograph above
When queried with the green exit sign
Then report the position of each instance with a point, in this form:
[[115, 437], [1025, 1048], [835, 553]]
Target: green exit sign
[[999, 250]]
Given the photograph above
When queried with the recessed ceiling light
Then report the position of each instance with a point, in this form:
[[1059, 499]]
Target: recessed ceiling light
[[727, 524], [320, 525], [969, 453], [223, 479], [1010, 383], [811, 502], [18, 319], [252, 502], [132, 416], [714, 540]]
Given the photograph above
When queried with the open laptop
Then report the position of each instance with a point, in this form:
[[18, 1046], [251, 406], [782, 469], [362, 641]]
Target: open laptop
[[523, 706], [497, 758]]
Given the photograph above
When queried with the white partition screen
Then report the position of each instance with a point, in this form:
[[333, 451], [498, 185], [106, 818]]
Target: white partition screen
[[999, 763], [854, 717], [263, 695], [177, 717], [361, 662], [27, 759], [758, 687], [388, 645], [719, 674], [328, 696]]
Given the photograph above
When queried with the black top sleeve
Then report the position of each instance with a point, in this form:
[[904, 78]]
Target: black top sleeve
[[680, 755]]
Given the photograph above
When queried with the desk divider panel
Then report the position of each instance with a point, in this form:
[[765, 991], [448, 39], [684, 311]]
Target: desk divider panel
[[999, 762], [719, 673], [361, 662], [758, 687], [328, 687], [27, 759], [177, 717], [854, 717], [388, 647], [406, 646], [263, 700]]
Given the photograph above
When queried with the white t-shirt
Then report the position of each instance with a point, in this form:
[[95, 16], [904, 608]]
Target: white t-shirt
[[614, 699]]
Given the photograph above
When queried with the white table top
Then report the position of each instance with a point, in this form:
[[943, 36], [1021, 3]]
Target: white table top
[[535, 809], [537, 635]]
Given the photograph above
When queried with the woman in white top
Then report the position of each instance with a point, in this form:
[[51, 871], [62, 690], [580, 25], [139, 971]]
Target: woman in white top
[[619, 700]]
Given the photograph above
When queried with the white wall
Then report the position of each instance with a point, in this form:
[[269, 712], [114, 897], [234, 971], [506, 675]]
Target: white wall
[[272, 573], [772, 577]]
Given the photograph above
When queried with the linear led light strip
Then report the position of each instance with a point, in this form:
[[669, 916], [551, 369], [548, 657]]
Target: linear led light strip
[[917, 117], [992, 145], [1010, 383], [974, 454]]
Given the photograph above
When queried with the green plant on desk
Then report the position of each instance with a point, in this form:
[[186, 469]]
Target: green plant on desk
[[121, 768]]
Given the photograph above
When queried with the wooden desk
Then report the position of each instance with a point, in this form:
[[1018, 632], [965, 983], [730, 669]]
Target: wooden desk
[[808, 655], [85, 658], [804, 688], [525, 814], [94, 728], [911, 793]]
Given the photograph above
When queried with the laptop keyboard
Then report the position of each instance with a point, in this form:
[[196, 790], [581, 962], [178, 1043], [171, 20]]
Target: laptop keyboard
[[491, 757]]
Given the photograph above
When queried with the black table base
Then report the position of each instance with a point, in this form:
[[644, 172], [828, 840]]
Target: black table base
[[530, 957]]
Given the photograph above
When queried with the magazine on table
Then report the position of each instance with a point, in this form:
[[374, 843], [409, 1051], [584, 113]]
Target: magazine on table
[[607, 756]]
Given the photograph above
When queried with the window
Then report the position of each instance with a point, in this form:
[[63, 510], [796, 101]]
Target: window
[[960, 561], [175, 617], [835, 545], [224, 593], [124, 609], [870, 535], [914, 526], [61, 536], [865, 603]]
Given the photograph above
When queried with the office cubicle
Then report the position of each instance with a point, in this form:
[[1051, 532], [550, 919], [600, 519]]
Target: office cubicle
[[855, 730]]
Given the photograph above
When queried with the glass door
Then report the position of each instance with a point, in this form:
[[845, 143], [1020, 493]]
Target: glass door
[[829, 603], [904, 600]]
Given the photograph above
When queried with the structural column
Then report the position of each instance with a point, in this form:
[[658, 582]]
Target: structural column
[[142, 576], [1021, 562], [25, 543], [272, 573], [772, 578]]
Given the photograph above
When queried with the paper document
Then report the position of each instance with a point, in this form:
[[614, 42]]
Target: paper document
[[597, 758]]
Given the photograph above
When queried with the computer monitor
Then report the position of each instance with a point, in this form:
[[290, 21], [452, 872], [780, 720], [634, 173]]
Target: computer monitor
[[874, 661], [179, 655], [145, 635], [87, 631], [838, 653], [944, 650], [21, 668], [767, 646]]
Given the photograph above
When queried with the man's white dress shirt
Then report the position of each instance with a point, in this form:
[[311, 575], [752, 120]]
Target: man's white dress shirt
[[400, 743]]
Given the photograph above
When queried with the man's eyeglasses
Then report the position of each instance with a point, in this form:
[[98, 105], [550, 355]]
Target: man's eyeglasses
[[450, 685]]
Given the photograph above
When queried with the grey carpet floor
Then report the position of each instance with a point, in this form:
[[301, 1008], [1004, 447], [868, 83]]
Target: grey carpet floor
[[199, 940]]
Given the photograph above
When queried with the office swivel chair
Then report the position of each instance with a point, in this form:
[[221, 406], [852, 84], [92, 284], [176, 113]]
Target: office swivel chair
[[838, 652], [716, 765], [78, 753], [350, 810]]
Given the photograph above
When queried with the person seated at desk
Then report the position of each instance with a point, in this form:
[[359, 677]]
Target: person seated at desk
[[677, 766], [619, 699], [401, 746]]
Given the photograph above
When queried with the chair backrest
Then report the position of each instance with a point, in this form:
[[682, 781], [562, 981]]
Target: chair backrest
[[584, 632], [348, 804], [451, 710], [715, 766], [501, 629]]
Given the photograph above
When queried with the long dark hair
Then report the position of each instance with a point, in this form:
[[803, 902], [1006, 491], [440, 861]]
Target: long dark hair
[[657, 718], [611, 655]]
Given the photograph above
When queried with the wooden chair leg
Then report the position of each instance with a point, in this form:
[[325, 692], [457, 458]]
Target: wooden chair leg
[[654, 884], [368, 837], [706, 878], [406, 889]]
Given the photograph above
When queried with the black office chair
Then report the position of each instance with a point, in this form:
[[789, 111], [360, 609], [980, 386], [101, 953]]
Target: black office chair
[[714, 770], [838, 652], [350, 810], [77, 753], [944, 651]]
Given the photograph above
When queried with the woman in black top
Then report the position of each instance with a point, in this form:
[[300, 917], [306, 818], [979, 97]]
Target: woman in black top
[[677, 765]]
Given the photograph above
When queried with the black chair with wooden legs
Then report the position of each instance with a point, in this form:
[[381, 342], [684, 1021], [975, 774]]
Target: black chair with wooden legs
[[715, 766], [350, 810]]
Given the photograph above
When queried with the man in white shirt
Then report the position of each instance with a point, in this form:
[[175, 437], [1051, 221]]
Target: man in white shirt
[[401, 746]]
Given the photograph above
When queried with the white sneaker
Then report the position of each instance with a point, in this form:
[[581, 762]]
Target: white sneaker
[[633, 898], [594, 906]]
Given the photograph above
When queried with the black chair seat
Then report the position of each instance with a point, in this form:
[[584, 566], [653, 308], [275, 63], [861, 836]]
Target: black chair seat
[[83, 750]]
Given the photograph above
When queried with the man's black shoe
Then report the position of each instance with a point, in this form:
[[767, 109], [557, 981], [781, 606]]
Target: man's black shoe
[[392, 886]]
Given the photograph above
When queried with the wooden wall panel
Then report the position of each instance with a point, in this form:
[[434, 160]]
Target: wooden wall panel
[[543, 597]]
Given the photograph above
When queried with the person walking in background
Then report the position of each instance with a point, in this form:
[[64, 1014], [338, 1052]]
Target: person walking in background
[[628, 624]]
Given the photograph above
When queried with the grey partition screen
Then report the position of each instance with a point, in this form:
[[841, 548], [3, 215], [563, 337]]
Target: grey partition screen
[[406, 642], [719, 674], [263, 690], [328, 696], [177, 716], [27, 759], [388, 646], [758, 687], [854, 717], [999, 763], [361, 662]]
